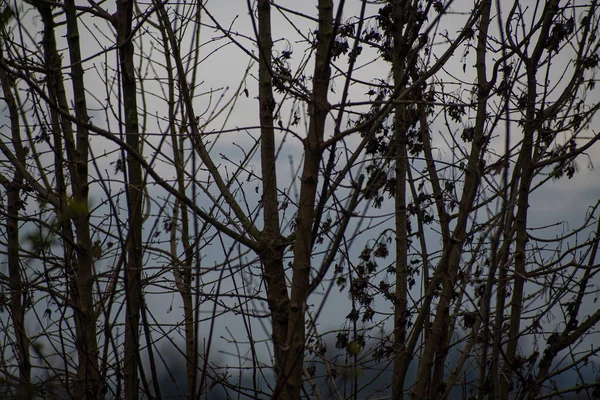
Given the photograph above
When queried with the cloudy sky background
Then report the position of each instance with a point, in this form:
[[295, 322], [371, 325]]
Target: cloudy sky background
[[560, 205]]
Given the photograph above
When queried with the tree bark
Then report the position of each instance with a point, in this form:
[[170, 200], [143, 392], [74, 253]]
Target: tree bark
[[271, 254], [79, 268], [133, 272], [318, 110], [525, 164], [400, 128], [436, 345], [14, 202]]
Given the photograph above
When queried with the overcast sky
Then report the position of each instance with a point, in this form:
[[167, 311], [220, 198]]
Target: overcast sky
[[564, 203]]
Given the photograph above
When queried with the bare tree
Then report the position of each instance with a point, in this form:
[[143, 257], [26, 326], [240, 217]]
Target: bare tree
[[123, 21], [13, 206], [148, 205]]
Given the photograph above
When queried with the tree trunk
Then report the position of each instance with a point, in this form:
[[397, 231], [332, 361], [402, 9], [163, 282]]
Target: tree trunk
[[133, 273], [401, 293], [272, 241], [318, 110], [525, 164], [436, 345], [18, 291], [80, 268]]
